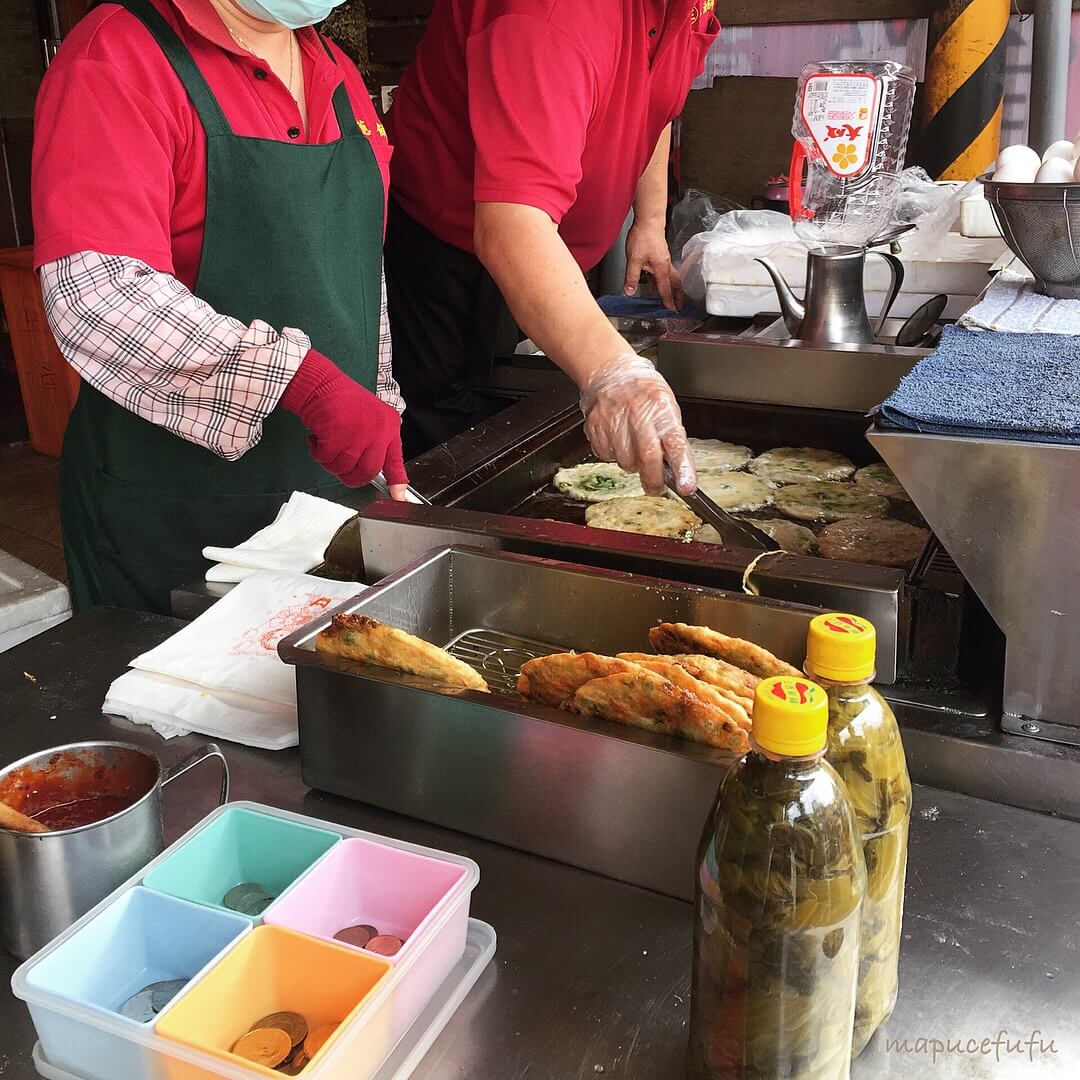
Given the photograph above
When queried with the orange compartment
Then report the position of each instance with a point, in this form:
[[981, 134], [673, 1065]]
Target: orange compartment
[[278, 970]]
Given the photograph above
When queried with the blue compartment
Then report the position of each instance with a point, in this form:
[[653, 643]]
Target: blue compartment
[[142, 938]]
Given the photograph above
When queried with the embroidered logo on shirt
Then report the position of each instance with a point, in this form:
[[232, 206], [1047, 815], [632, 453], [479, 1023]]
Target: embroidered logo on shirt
[[364, 129]]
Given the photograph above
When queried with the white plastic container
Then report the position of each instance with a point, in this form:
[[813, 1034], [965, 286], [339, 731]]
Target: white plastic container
[[428, 1026], [70, 1014]]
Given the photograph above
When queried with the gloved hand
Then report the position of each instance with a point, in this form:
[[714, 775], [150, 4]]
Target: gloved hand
[[632, 417], [354, 435]]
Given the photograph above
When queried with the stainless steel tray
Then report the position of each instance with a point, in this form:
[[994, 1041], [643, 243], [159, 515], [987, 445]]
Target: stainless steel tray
[[621, 802]]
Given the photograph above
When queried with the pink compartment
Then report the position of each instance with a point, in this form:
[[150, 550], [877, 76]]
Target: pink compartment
[[398, 892], [395, 891]]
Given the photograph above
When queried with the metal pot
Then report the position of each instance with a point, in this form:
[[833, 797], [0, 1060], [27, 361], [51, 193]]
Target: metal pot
[[48, 880]]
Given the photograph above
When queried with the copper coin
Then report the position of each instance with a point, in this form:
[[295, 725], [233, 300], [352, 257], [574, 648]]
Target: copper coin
[[293, 1024], [317, 1039], [357, 935], [296, 1064], [267, 1046], [385, 945]]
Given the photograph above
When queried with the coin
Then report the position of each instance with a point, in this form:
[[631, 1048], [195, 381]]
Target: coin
[[139, 1007], [357, 935], [296, 1064], [293, 1024], [248, 898], [163, 992], [317, 1039], [267, 1046], [385, 945]]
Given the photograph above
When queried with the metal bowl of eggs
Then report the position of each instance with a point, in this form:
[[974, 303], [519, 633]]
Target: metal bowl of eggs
[[1036, 202]]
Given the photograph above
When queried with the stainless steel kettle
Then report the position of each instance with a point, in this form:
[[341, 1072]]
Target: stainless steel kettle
[[834, 310]]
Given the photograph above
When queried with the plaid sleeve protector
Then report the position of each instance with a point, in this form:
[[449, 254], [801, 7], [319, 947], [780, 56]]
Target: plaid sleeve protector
[[387, 387], [143, 340]]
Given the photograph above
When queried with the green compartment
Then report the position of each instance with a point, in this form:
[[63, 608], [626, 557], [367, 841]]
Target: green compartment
[[240, 846]]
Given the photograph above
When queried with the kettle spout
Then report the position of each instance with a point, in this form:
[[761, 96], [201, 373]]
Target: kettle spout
[[790, 305]]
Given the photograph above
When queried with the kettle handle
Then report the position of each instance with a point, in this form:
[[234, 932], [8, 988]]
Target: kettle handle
[[205, 753], [897, 269]]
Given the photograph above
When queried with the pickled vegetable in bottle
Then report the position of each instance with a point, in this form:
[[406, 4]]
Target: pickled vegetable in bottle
[[866, 750], [779, 894]]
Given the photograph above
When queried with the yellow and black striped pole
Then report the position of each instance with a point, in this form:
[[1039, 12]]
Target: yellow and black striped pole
[[960, 114]]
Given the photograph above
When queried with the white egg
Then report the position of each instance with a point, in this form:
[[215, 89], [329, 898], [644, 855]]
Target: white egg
[[1020, 157], [1061, 149], [1076, 172], [1055, 170], [1015, 172]]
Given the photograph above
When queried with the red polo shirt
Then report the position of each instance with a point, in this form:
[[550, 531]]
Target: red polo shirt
[[119, 153], [556, 104]]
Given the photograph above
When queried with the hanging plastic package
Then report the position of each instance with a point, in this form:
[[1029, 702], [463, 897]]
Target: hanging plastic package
[[852, 120]]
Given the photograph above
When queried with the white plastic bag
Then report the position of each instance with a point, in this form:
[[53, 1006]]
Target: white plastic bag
[[933, 206], [736, 239], [696, 212]]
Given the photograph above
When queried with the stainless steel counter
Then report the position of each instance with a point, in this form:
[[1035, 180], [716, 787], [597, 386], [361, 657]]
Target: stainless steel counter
[[591, 977]]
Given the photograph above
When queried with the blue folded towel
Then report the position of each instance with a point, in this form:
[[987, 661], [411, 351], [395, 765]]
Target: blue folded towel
[[640, 307], [988, 385]]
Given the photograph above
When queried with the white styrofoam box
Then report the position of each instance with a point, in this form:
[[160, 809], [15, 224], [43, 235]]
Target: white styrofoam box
[[746, 301], [28, 597], [962, 270], [977, 218], [17, 635]]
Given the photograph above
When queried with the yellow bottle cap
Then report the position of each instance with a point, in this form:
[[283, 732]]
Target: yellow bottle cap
[[791, 716], [841, 648]]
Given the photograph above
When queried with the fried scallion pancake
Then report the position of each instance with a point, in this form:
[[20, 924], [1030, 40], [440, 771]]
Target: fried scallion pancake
[[711, 695], [360, 637], [732, 681], [645, 700], [674, 638], [553, 680]]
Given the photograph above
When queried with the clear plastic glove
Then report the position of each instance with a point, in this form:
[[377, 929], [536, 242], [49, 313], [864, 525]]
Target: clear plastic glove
[[632, 417]]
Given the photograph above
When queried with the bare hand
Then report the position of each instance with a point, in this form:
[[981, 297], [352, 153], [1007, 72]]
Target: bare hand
[[397, 492], [647, 250]]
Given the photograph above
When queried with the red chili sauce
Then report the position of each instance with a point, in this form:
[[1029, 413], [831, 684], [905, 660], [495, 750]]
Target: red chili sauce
[[83, 811], [72, 790]]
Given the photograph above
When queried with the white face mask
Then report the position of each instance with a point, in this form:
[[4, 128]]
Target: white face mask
[[294, 14]]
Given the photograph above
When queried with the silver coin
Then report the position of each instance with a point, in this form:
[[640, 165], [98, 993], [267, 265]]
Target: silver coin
[[258, 904], [139, 1007], [248, 898], [164, 992]]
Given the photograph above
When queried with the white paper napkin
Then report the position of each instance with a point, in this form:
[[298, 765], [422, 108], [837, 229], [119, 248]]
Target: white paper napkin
[[173, 707], [233, 645], [295, 540]]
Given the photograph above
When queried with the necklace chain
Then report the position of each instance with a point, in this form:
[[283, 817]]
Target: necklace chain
[[292, 57]]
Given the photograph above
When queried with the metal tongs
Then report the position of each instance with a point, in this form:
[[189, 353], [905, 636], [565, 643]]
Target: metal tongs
[[411, 494], [734, 533]]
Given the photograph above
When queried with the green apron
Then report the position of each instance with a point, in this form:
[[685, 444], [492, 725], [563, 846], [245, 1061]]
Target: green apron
[[293, 237]]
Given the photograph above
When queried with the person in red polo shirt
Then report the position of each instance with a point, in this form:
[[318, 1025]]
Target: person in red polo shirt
[[209, 185], [524, 131]]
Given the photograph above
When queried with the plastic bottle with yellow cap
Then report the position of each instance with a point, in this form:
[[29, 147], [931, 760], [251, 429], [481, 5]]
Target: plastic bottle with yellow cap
[[866, 750], [780, 887]]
